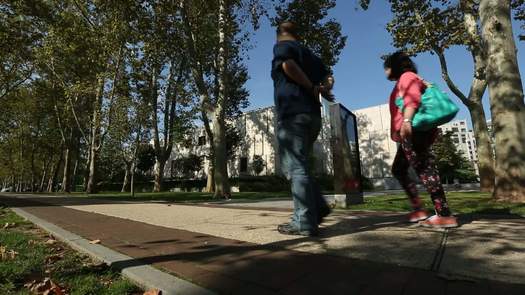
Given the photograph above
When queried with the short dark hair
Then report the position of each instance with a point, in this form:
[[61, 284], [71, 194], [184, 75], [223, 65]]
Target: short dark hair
[[287, 27], [399, 63]]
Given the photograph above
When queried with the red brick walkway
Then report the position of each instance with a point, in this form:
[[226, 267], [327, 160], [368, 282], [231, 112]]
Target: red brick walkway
[[235, 267]]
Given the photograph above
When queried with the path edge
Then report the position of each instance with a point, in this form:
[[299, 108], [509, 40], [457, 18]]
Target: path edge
[[144, 276]]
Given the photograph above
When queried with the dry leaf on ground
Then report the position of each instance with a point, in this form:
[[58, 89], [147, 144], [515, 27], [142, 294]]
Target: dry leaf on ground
[[46, 287], [54, 258], [50, 241], [153, 292], [95, 242], [7, 254], [8, 225]]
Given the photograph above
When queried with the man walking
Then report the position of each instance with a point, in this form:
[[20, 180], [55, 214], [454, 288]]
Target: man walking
[[298, 75]]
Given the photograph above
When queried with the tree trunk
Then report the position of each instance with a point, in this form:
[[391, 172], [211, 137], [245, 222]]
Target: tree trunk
[[52, 180], [483, 147], [74, 175], [125, 183], [67, 171], [506, 100], [95, 138], [210, 180], [159, 173], [222, 183], [86, 172], [44, 174]]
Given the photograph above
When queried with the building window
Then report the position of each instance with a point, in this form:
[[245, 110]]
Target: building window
[[244, 165], [202, 140]]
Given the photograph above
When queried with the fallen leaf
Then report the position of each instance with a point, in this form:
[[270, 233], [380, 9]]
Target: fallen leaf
[[153, 292], [7, 254], [8, 225], [12, 254], [46, 287], [50, 241], [53, 258], [95, 242]]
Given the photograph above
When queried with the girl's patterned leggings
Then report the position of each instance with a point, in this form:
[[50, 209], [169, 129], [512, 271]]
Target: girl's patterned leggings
[[416, 153]]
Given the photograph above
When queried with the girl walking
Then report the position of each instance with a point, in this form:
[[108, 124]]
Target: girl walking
[[414, 146]]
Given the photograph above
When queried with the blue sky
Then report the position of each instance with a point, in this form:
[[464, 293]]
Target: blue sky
[[359, 74]]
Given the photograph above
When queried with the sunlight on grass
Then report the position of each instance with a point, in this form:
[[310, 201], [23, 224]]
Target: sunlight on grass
[[72, 271], [460, 203]]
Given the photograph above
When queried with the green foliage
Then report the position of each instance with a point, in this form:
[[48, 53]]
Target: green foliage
[[234, 140], [323, 36], [145, 158], [519, 14], [258, 164], [450, 162], [186, 166], [428, 25]]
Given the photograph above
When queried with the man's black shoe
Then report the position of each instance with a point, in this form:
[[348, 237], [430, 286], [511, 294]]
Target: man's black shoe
[[288, 229]]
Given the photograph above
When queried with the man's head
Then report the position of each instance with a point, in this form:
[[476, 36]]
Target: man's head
[[287, 31]]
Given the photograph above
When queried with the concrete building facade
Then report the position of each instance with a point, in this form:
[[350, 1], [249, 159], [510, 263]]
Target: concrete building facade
[[257, 130], [377, 150], [463, 137]]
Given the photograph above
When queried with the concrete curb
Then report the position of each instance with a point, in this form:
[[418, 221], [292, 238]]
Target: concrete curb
[[145, 276]]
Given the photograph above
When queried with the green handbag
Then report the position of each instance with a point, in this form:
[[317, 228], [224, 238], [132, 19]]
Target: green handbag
[[435, 110]]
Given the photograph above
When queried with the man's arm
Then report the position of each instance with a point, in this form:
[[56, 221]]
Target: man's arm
[[294, 72]]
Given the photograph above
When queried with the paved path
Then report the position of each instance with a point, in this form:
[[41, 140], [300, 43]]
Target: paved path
[[238, 251]]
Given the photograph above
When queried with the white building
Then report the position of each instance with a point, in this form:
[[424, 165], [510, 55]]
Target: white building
[[376, 148], [464, 139], [257, 130]]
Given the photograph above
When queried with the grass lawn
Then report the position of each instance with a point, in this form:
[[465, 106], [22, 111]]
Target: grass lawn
[[32, 259], [184, 196], [460, 203]]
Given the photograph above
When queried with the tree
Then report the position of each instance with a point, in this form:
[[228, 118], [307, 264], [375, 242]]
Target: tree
[[450, 162], [322, 36], [187, 166], [519, 8], [434, 26], [258, 164], [215, 54], [160, 72], [145, 157], [20, 35], [506, 99]]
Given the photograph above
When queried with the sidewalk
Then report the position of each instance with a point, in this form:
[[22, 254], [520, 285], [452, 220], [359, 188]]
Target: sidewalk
[[237, 250]]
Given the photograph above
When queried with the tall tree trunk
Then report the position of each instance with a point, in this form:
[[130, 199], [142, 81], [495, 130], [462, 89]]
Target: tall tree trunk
[[506, 99], [52, 180], [210, 180], [483, 147], [125, 183], [95, 138], [222, 183], [74, 174], [67, 171], [86, 172], [45, 168], [158, 169]]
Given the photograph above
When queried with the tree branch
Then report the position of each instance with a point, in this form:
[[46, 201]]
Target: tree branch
[[444, 73]]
